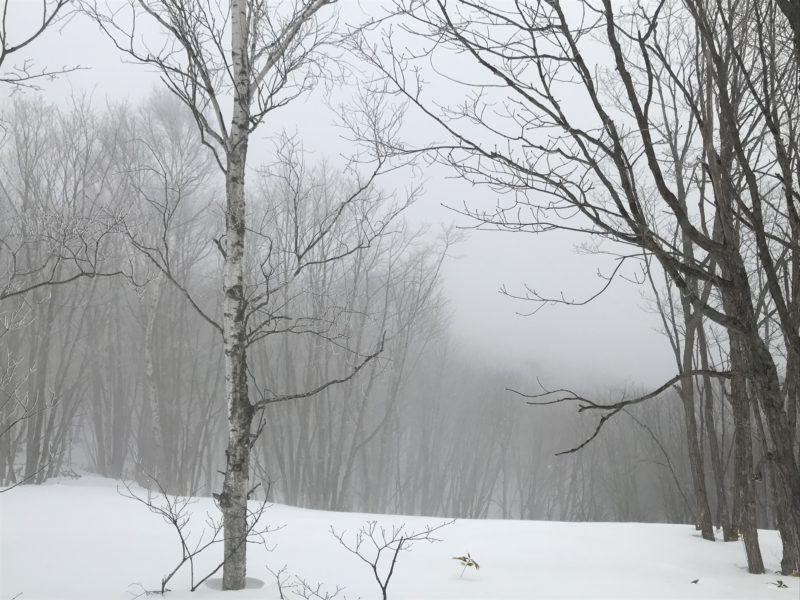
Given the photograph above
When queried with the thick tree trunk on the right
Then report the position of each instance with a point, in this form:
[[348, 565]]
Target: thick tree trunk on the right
[[791, 555], [781, 452], [751, 362]]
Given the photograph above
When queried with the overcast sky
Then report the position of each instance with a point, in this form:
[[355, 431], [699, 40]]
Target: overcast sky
[[611, 342]]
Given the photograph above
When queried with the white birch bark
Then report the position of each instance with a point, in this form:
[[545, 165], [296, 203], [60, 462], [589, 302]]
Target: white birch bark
[[233, 500]]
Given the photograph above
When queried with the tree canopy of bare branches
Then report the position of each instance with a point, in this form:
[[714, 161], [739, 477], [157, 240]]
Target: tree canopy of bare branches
[[684, 151]]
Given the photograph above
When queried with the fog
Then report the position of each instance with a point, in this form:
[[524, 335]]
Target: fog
[[615, 341], [414, 268]]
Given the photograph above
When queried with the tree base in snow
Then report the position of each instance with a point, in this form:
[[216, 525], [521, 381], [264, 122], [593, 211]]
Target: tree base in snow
[[251, 583]]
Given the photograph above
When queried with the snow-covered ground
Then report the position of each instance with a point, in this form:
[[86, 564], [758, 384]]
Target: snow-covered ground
[[80, 539]]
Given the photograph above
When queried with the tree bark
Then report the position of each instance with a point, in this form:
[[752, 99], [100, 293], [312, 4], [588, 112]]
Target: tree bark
[[743, 462], [233, 499], [781, 453], [723, 514], [702, 512]]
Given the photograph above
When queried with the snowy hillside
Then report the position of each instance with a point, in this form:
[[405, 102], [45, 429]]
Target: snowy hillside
[[79, 539]]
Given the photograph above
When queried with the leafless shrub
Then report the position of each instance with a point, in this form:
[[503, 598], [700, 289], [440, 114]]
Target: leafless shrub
[[380, 547], [288, 583], [176, 511]]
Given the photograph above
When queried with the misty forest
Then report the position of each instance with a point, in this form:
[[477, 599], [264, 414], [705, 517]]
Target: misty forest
[[237, 239]]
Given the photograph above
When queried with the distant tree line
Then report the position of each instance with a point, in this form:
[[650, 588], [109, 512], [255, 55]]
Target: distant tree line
[[426, 428]]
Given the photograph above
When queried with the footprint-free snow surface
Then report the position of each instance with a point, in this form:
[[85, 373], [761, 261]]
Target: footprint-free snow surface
[[81, 539]]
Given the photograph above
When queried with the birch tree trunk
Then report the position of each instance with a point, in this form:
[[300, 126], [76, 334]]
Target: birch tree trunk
[[260, 68], [233, 499]]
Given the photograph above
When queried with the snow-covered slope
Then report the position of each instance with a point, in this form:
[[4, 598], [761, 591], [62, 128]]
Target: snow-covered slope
[[80, 539]]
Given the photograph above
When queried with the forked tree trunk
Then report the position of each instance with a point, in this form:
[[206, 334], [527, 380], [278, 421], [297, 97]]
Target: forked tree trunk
[[743, 461], [761, 369], [751, 358], [693, 321]]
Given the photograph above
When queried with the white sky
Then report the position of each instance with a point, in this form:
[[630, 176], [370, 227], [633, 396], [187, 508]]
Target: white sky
[[610, 342]]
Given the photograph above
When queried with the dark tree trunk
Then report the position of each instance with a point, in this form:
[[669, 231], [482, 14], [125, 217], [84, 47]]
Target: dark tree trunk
[[781, 453], [723, 515], [701, 508], [743, 462]]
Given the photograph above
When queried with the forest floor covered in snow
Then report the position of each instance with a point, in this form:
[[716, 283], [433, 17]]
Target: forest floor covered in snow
[[81, 539]]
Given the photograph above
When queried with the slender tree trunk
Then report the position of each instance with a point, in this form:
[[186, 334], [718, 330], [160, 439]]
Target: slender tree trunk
[[38, 395], [702, 510], [121, 418], [233, 499], [723, 516], [693, 321], [156, 451], [97, 412]]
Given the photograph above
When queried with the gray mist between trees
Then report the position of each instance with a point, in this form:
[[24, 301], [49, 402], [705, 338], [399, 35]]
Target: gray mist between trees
[[173, 309]]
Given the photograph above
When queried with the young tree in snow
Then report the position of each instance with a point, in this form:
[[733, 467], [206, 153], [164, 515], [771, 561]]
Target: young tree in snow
[[233, 64], [379, 547]]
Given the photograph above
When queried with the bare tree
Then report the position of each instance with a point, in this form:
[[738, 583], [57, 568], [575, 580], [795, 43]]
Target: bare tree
[[601, 166], [232, 64], [379, 547]]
